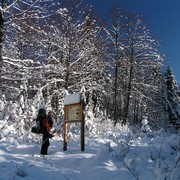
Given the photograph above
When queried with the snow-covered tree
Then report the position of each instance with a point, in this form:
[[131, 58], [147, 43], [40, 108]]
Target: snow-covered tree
[[21, 11], [143, 58], [20, 70], [20, 31], [116, 56], [75, 51], [52, 48], [172, 98], [136, 63]]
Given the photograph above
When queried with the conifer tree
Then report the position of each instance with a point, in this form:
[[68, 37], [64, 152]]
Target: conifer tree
[[172, 98]]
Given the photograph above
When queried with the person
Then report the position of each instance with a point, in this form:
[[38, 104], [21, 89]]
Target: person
[[45, 129], [49, 116]]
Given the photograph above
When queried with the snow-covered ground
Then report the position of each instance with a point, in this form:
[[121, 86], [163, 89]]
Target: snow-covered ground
[[116, 155]]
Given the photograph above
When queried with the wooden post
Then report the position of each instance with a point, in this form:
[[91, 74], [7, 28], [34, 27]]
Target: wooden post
[[65, 136], [65, 130], [82, 127]]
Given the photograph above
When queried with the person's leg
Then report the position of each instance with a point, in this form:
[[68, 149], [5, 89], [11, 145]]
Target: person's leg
[[47, 145], [44, 145]]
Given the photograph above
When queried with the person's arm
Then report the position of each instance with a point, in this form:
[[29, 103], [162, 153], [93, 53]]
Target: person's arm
[[50, 121], [48, 127]]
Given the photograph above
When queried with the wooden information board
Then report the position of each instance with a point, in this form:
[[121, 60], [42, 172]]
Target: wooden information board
[[73, 113]]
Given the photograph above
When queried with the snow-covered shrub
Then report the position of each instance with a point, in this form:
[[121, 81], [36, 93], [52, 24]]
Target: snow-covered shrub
[[145, 126], [175, 174], [162, 170]]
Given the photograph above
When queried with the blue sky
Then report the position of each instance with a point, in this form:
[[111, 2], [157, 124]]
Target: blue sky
[[163, 16]]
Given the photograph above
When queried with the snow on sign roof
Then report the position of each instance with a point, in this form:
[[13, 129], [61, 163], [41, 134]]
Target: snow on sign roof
[[72, 98]]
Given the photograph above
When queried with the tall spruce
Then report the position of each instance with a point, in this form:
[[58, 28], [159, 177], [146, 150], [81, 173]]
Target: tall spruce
[[172, 98]]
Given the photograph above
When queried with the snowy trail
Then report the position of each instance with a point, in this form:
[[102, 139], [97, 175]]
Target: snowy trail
[[94, 163], [148, 158]]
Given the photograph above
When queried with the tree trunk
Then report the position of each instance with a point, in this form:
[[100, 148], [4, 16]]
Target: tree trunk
[[126, 109], [116, 79], [115, 95], [128, 94], [1, 41]]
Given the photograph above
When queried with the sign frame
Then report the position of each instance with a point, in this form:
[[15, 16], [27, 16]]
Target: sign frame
[[70, 116]]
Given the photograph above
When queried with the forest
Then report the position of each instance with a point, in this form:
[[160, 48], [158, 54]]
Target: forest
[[48, 47]]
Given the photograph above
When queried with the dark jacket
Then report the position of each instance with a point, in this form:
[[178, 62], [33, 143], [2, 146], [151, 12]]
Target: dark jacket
[[50, 121]]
